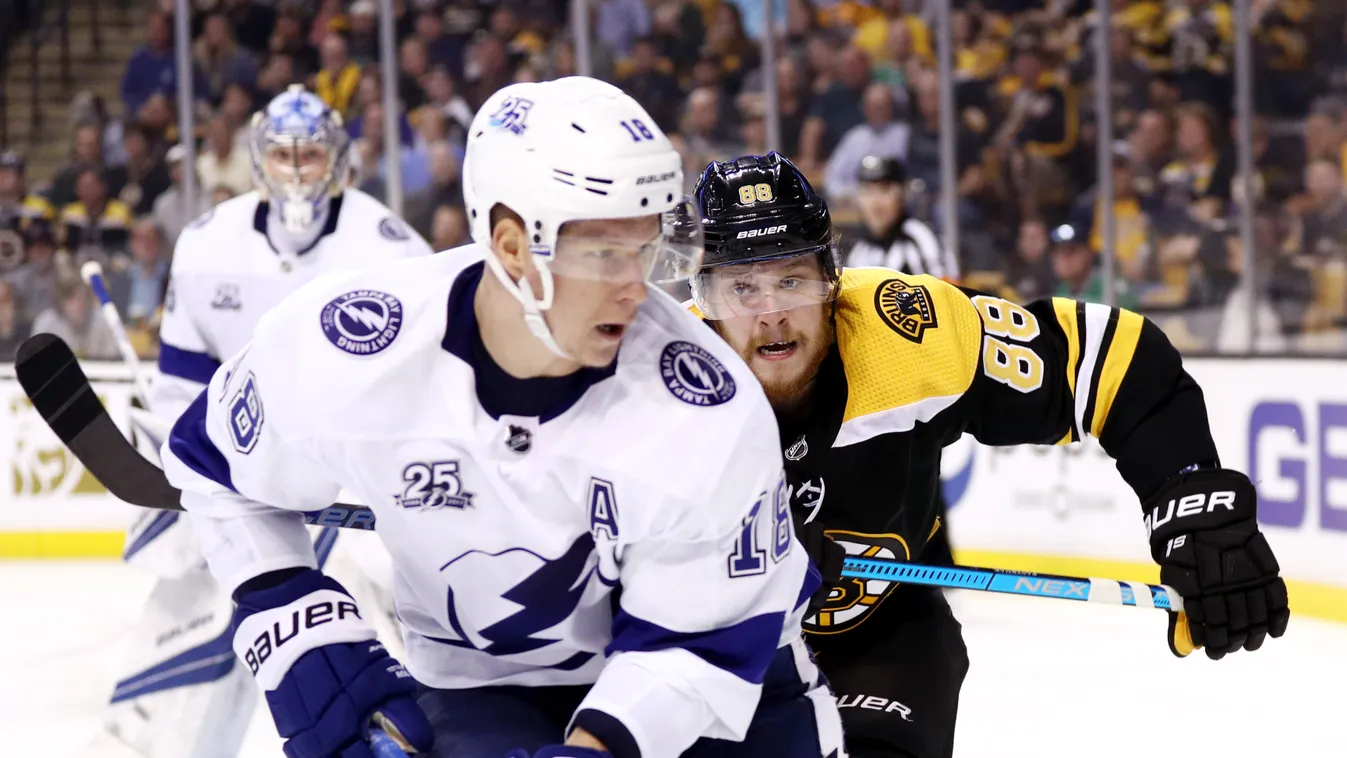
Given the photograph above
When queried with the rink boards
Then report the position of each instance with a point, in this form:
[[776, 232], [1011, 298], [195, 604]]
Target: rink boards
[[1051, 509]]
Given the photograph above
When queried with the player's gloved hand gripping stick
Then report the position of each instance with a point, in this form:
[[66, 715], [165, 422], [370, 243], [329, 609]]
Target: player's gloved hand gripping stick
[[380, 735], [52, 379]]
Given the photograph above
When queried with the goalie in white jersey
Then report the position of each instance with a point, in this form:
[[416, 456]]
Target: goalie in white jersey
[[580, 484], [183, 697]]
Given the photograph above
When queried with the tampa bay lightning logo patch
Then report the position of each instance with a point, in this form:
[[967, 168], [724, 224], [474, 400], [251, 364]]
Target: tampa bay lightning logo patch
[[362, 322], [694, 376], [391, 228]]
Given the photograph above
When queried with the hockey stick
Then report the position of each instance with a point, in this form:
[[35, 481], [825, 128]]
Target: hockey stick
[[92, 273], [60, 392], [52, 379]]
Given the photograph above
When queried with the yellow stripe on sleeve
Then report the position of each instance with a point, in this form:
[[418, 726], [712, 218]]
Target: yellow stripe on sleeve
[[1114, 367]]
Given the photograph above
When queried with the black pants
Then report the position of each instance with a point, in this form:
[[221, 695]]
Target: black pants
[[488, 722], [897, 677]]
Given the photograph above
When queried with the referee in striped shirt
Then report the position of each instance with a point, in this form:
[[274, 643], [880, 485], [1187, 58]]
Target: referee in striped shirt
[[893, 239]]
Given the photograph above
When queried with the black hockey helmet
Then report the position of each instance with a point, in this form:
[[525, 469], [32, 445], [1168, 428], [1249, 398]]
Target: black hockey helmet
[[879, 169], [756, 209]]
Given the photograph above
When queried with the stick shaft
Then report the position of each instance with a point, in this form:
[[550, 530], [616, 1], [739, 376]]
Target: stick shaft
[[1081, 589], [93, 275]]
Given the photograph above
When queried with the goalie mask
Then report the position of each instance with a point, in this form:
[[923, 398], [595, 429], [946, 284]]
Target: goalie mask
[[301, 155]]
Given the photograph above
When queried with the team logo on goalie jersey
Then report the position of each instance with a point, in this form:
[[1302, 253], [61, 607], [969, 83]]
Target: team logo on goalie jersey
[[362, 322], [694, 376], [850, 602], [906, 308]]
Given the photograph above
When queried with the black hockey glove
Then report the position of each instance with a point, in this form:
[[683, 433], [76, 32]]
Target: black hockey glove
[[1204, 534], [827, 557]]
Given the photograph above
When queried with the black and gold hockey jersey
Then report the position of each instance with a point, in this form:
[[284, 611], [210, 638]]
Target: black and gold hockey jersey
[[918, 362]]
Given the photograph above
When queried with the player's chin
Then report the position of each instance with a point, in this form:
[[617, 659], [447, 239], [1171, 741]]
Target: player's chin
[[601, 344]]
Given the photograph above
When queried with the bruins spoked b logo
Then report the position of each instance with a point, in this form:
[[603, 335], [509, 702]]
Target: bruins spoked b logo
[[906, 308], [851, 601]]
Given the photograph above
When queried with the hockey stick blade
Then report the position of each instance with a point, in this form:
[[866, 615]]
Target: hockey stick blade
[[52, 379]]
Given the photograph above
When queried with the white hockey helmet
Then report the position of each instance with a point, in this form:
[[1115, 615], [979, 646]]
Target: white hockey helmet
[[301, 155], [568, 150]]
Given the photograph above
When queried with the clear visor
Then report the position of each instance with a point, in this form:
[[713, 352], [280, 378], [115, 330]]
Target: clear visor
[[660, 249], [750, 289], [301, 168]]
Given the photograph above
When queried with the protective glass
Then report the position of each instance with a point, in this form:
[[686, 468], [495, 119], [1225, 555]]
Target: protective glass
[[749, 289], [634, 251]]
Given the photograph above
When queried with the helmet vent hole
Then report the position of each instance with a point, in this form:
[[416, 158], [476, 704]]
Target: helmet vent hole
[[577, 128], [474, 213], [645, 201], [538, 225], [669, 199], [537, 239]]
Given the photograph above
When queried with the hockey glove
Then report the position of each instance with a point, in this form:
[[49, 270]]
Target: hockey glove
[[827, 557], [1203, 530], [322, 670]]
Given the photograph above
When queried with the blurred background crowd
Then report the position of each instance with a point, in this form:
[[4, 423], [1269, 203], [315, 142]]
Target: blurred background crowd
[[91, 168]]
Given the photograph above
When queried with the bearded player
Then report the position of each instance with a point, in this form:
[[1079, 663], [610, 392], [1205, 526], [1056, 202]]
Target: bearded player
[[871, 372]]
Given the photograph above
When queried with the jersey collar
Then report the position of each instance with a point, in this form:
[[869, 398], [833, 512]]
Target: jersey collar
[[499, 393], [263, 214]]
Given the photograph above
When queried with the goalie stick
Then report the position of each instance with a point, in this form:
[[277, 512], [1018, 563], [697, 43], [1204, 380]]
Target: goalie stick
[[51, 377]]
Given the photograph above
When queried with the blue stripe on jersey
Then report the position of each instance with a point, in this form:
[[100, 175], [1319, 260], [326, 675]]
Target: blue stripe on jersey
[[193, 446], [744, 649], [162, 521], [186, 364]]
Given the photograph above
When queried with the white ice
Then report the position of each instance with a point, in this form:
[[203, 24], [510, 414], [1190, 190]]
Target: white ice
[[1049, 679]]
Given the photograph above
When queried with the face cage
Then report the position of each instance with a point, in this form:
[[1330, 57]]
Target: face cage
[[332, 179], [826, 254]]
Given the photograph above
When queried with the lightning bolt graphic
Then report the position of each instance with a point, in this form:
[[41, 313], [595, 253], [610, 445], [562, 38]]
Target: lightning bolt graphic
[[696, 369], [371, 320]]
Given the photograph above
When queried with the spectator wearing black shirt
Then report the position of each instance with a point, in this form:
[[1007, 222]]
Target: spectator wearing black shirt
[[650, 83], [444, 190], [144, 177], [221, 60], [836, 110], [442, 49], [86, 151], [412, 67]]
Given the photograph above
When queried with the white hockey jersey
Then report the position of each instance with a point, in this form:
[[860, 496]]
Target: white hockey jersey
[[661, 475], [226, 274]]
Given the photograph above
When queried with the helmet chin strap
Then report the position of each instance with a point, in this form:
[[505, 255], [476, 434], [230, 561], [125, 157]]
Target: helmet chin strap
[[533, 307]]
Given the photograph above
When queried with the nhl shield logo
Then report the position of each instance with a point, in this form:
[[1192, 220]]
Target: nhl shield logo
[[906, 308], [520, 439], [362, 322], [798, 450]]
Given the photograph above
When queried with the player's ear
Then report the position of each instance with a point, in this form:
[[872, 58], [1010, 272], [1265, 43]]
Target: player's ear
[[509, 240]]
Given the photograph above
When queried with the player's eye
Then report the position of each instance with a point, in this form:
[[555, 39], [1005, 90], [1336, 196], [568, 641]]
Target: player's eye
[[790, 283], [744, 290]]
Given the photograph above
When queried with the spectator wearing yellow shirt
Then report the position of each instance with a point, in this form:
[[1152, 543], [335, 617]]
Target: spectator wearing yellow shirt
[[19, 210], [95, 221], [872, 35], [337, 80], [1132, 232]]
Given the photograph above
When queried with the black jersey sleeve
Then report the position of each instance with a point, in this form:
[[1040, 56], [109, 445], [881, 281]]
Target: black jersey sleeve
[[1057, 370]]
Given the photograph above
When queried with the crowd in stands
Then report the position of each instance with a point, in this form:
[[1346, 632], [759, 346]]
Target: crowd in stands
[[856, 79]]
